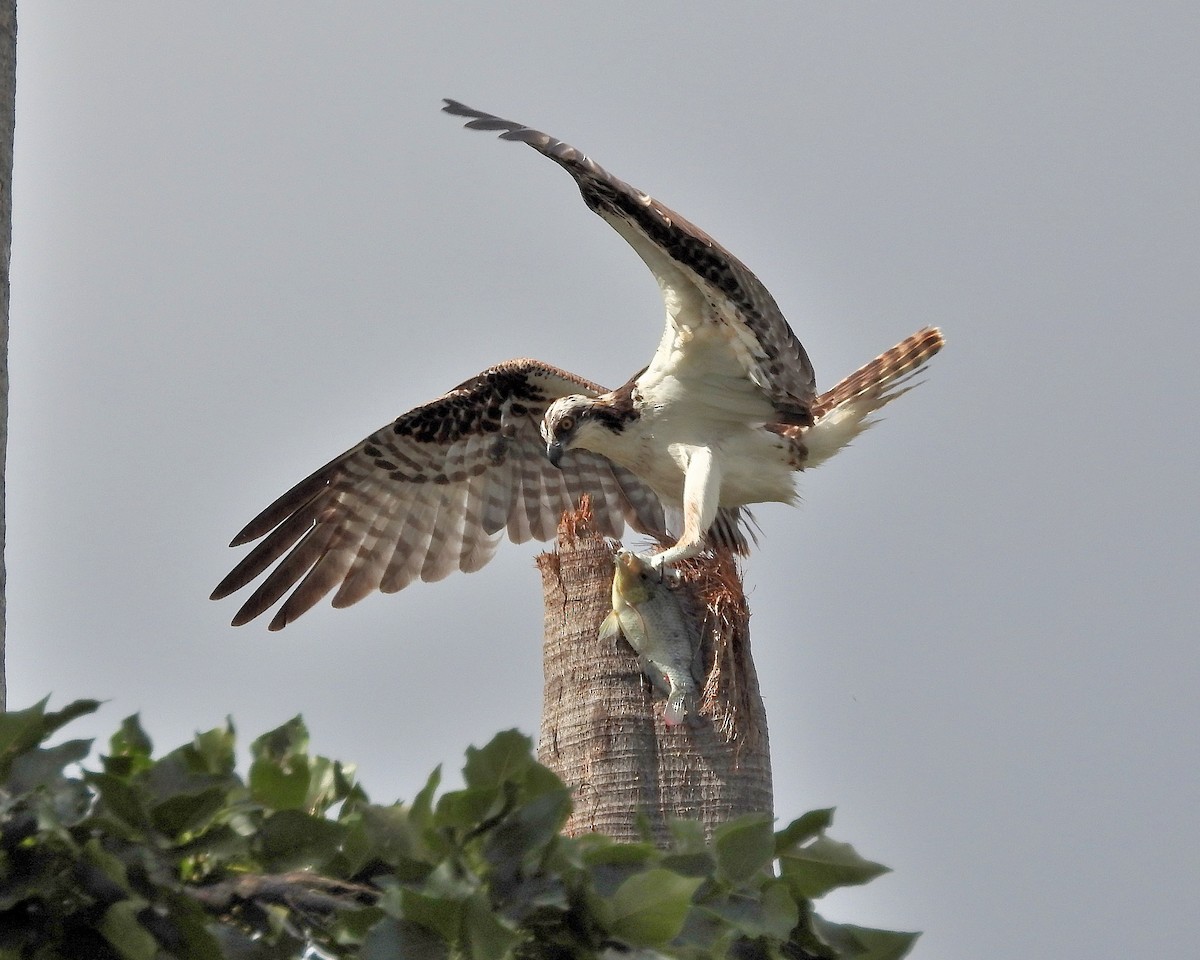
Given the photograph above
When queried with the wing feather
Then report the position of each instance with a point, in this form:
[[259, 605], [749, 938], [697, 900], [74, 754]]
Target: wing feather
[[543, 522], [497, 496], [478, 543], [408, 553], [712, 299], [290, 570], [642, 509], [431, 493]]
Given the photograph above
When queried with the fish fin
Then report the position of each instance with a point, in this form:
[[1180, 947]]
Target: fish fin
[[610, 629], [676, 710], [658, 679]]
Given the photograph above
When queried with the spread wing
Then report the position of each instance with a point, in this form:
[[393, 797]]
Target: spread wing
[[723, 325], [430, 494]]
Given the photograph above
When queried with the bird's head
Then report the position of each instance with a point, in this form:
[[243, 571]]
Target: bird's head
[[567, 424]]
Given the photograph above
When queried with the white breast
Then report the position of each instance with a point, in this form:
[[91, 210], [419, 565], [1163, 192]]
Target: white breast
[[659, 444]]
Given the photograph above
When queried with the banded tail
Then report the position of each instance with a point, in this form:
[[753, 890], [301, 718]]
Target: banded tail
[[844, 411]]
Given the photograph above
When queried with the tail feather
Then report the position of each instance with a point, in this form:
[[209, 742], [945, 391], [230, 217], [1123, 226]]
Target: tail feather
[[844, 411]]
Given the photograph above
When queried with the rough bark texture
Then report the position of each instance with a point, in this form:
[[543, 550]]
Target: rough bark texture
[[602, 727], [8, 115]]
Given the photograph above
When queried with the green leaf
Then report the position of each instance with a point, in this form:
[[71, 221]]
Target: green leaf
[[487, 936], [600, 850], [861, 943], [649, 908], [421, 809], [121, 928], [781, 913], [233, 944], [744, 847], [687, 836], [284, 776], [539, 780], [813, 870], [348, 788], [803, 829], [507, 756], [351, 926], [611, 864], [221, 842], [212, 751], [43, 768], [882, 944], [131, 740], [323, 785], [382, 834], [690, 864], [524, 835], [773, 914], [392, 939], [189, 812], [102, 874], [129, 749], [280, 785], [21, 730], [442, 915], [120, 799], [467, 809], [286, 740], [448, 881], [183, 929], [293, 840]]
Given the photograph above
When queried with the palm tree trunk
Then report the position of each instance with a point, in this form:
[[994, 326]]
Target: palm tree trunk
[[602, 727]]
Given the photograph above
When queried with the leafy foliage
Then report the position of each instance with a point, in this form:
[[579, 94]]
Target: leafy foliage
[[179, 857]]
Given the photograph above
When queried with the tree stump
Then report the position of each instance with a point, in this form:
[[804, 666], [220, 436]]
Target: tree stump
[[602, 728]]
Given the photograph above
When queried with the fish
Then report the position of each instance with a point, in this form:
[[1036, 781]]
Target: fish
[[649, 614]]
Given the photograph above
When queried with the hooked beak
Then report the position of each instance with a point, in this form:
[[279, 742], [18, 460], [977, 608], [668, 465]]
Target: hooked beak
[[554, 452]]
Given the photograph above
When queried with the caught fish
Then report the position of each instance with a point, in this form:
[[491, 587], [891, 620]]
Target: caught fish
[[649, 614]]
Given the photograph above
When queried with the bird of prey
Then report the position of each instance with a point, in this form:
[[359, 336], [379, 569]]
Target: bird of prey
[[722, 417]]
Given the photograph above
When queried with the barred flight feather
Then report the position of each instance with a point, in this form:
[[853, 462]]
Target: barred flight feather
[[438, 488]]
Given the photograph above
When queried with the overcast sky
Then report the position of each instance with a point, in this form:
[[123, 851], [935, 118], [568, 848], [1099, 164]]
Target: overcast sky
[[245, 238]]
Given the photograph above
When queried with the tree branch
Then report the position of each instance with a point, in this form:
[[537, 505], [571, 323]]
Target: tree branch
[[306, 894]]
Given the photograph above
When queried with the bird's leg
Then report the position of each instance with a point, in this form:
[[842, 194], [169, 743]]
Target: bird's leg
[[701, 497]]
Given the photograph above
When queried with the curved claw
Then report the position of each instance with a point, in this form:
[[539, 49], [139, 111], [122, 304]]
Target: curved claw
[[658, 563]]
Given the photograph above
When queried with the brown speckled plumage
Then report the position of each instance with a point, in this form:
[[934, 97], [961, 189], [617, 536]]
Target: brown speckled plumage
[[433, 491]]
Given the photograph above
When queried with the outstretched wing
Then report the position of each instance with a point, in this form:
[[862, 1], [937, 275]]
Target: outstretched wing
[[430, 494], [712, 299]]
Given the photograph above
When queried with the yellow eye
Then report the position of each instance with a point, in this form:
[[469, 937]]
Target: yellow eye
[[564, 425]]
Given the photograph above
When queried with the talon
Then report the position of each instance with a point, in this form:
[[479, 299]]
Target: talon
[[666, 574]]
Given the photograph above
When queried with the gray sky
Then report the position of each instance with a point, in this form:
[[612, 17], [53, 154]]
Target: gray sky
[[245, 238]]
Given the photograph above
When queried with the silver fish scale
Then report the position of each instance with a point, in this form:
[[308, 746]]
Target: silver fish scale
[[660, 632]]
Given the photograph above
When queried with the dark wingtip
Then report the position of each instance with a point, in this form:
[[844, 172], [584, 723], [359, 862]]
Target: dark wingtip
[[480, 120], [231, 584], [457, 108], [243, 617]]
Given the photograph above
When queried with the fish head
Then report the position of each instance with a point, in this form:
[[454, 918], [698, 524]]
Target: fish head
[[635, 579]]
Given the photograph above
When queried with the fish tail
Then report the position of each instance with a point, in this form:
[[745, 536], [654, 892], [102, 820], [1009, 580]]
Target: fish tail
[[676, 710]]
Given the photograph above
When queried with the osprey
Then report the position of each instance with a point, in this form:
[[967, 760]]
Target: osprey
[[723, 416]]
